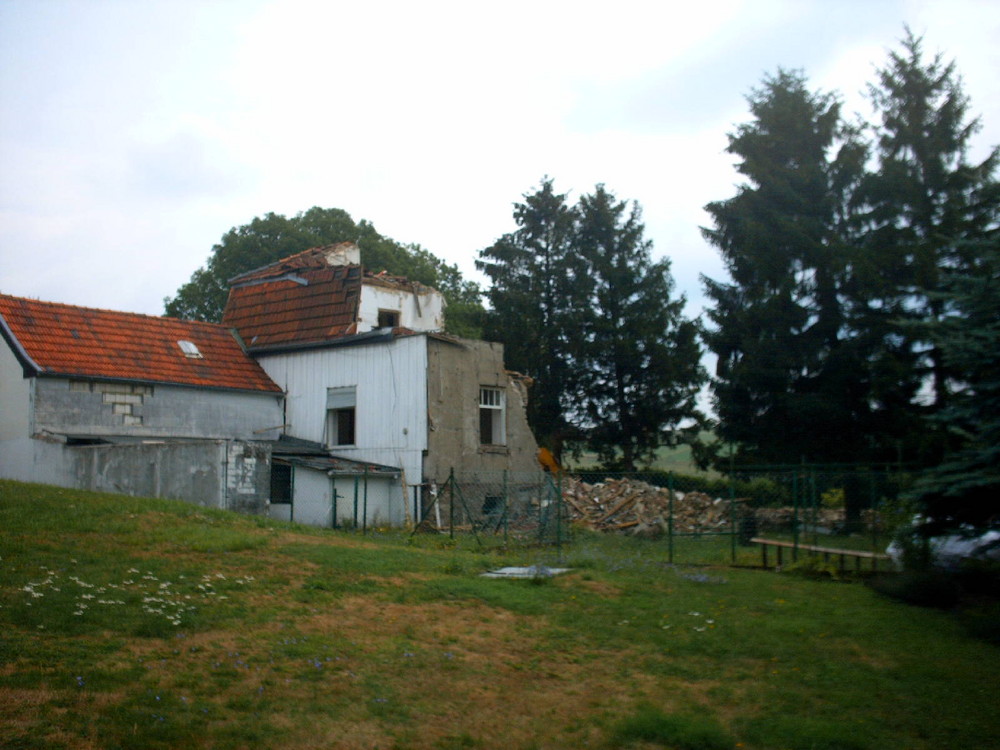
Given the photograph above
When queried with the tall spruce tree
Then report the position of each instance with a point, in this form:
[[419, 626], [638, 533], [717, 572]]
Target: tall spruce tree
[[928, 205], [965, 487], [792, 382], [639, 360], [537, 294]]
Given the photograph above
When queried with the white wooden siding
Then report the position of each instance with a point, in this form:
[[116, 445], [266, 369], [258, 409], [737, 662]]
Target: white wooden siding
[[313, 503], [391, 411]]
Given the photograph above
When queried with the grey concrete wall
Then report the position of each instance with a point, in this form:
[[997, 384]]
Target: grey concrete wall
[[455, 373], [15, 397], [248, 477], [43, 461], [231, 475], [72, 407]]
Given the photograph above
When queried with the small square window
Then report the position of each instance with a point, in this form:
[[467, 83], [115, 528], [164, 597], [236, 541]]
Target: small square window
[[190, 349], [388, 318]]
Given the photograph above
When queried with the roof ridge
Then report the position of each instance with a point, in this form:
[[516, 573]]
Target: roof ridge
[[63, 340], [315, 250], [110, 311]]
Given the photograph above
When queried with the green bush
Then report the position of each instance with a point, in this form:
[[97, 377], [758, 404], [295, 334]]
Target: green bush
[[923, 588]]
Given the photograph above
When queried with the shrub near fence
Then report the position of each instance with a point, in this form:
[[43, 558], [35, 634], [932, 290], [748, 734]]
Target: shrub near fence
[[699, 520]]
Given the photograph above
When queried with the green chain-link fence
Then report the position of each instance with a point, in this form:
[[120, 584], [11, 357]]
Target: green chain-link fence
[[778, 514], [499, 507]]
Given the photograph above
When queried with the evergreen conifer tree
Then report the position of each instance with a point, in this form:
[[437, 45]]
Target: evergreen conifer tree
[[538, 292], [639, 363], [792, 381], [965, 487], [928, 205]]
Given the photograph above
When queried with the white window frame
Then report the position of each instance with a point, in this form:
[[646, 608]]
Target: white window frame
[[338, 401], [493, 400]]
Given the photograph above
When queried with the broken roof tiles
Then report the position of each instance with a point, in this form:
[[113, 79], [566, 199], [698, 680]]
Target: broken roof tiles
[[306, 298], [51, 338], [284, 311]]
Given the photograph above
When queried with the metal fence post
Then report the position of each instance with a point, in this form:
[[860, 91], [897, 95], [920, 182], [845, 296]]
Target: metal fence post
[[356, 480], [732, 520], [451, 503], [506, 507], [559, 512], [795, 511], [365, 519], [670, 518]]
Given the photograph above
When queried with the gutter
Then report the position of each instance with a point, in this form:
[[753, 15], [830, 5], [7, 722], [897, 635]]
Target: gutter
[[377, 336], [28, 365]]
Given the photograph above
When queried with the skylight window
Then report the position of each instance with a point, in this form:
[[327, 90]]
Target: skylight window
[[190, 350]]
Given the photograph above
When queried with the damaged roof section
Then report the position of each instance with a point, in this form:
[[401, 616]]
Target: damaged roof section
[[309, 297], [282, 310], [53, 339]]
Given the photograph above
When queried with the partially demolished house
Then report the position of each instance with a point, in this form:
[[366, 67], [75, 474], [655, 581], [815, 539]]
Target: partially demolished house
[[134, 404], [370, 378], [328, 396]]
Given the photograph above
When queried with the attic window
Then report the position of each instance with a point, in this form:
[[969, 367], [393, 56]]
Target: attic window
[[388, 318], [190, 350]]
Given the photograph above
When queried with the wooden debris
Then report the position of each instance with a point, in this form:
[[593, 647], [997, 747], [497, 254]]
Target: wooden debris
[[631, 506], [634, 507]]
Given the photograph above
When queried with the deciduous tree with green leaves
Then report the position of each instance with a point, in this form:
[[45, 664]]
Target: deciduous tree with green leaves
[[273, 236]]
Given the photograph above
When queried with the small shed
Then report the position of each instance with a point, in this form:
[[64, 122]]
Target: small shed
[[310, 485]]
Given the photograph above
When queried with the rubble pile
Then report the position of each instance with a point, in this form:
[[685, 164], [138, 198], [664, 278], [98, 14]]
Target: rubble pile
[[634, 507], [780, 519]]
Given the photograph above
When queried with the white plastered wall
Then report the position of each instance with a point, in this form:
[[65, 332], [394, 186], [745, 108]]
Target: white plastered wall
[[418, 312]]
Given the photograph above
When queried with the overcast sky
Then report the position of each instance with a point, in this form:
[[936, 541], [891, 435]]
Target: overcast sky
[[135, 133]]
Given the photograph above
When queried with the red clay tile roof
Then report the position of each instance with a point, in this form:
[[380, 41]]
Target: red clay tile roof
[[55, 339], [314, 257], [269, 313], [302, 299]]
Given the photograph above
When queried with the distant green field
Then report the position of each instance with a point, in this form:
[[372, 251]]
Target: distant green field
[[677, 460], [131, 623]]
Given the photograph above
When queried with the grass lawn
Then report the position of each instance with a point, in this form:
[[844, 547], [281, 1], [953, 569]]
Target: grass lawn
[[130, 623]]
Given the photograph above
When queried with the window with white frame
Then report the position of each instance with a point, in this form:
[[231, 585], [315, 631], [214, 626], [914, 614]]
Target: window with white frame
[[340, 415], [492, 417]]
